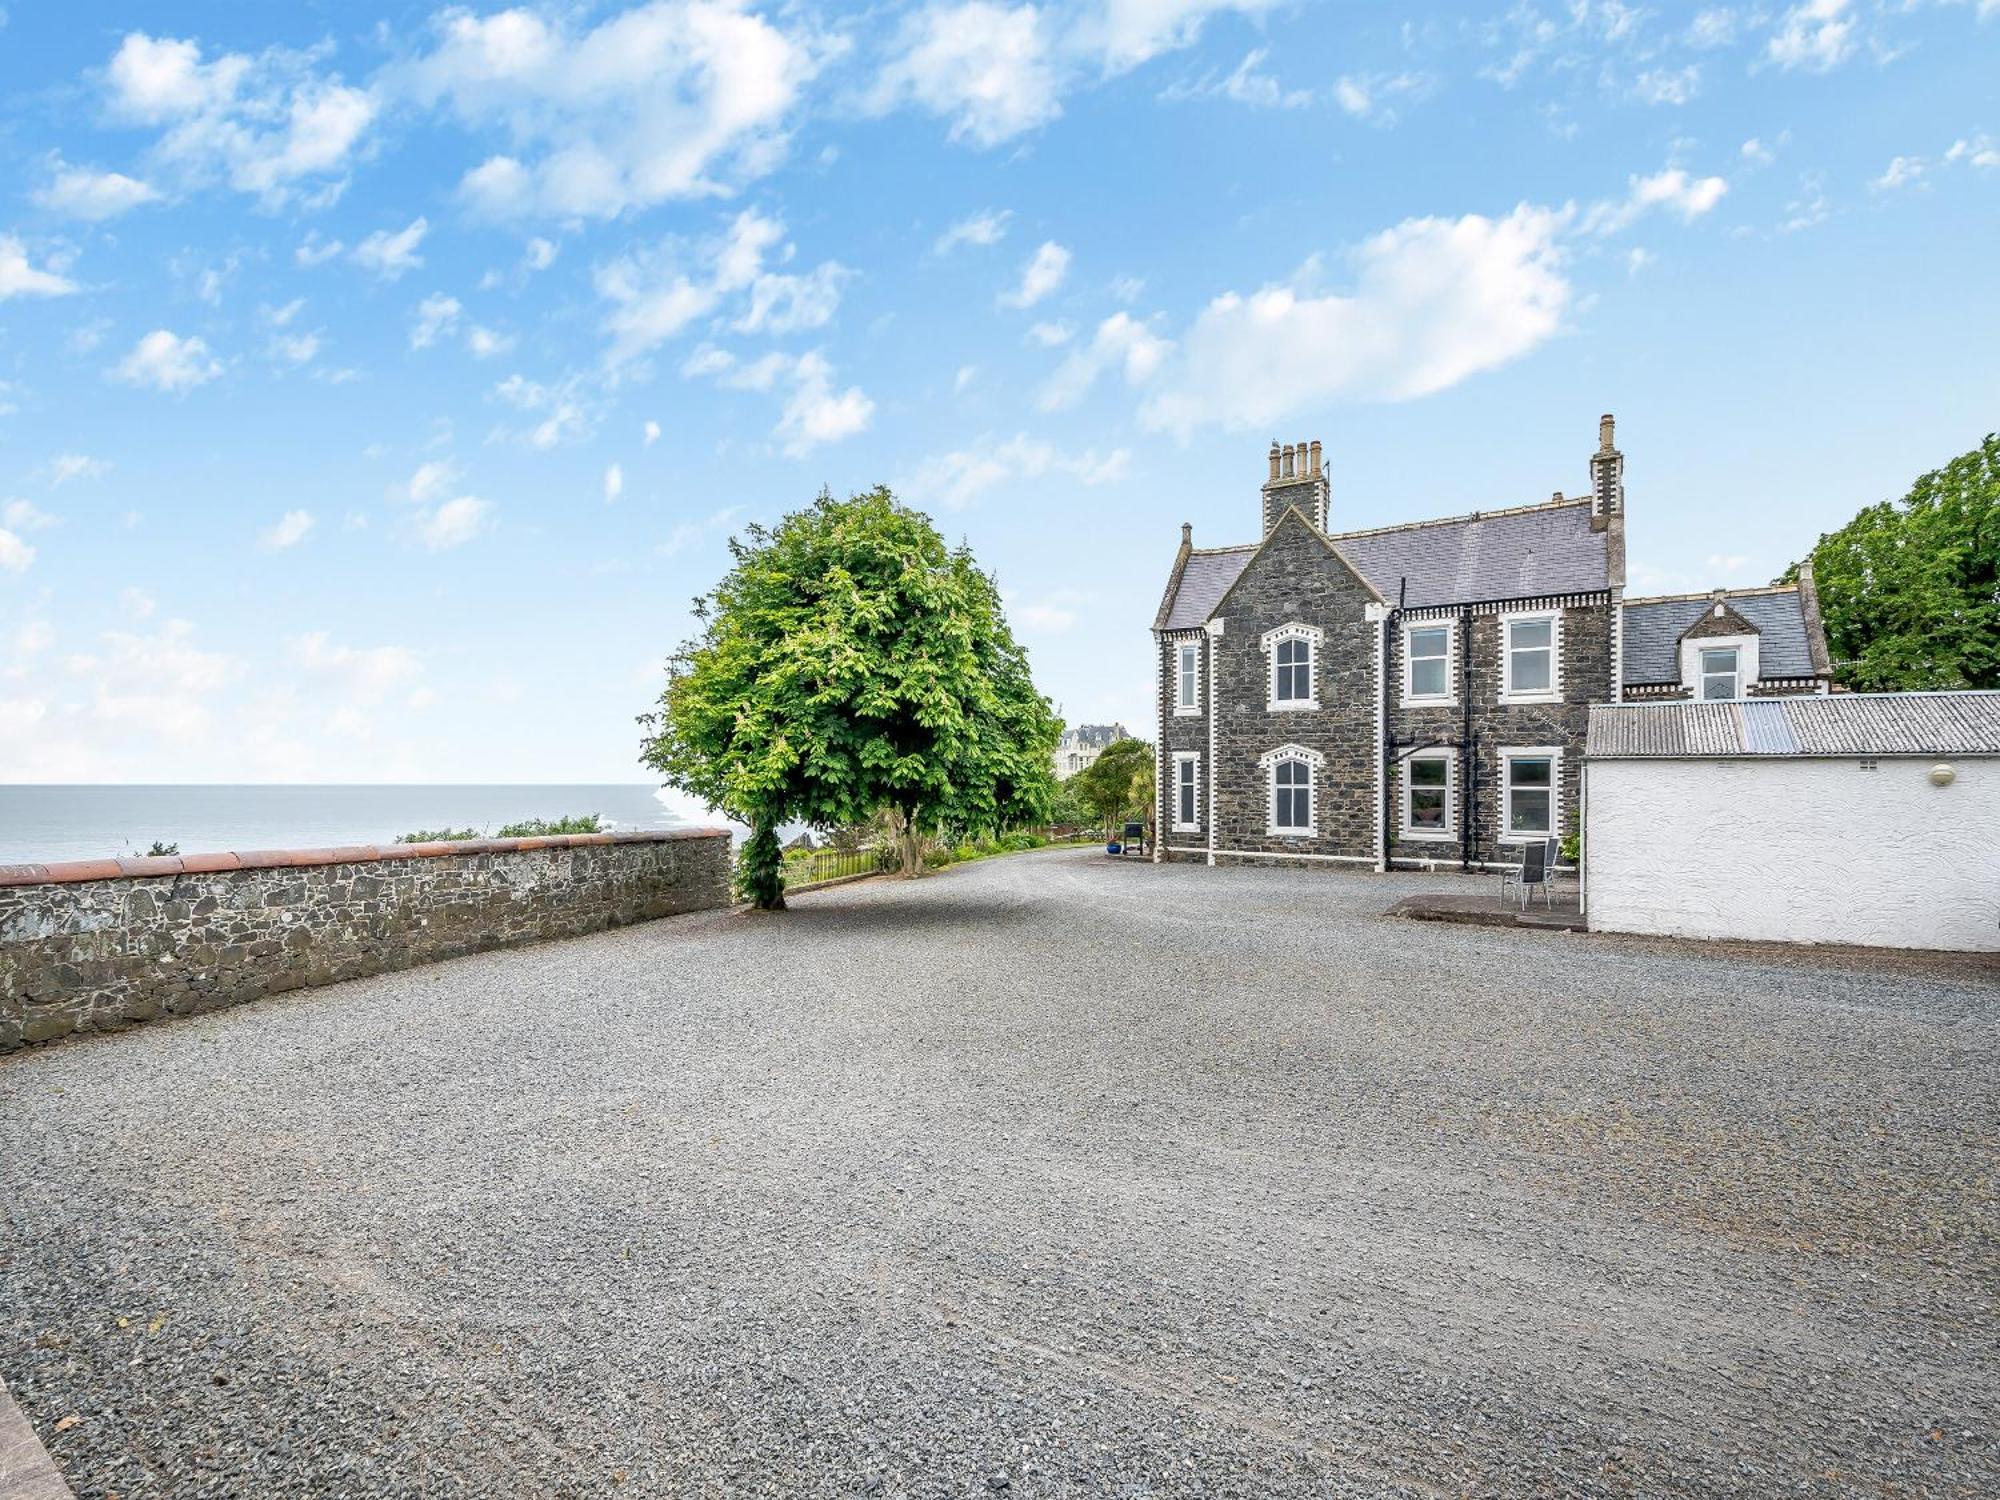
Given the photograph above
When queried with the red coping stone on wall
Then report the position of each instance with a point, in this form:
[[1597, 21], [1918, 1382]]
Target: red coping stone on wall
[[139, 867]]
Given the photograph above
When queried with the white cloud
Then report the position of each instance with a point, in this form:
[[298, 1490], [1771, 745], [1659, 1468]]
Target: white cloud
[[25, 515], [1979, 152], [67, 466], [1120, 339], [1671, 189], [657, 292], [983, 228], [296, 348], [614, 483], [266, 125], [988, 68], [1667, 85], [1817, 36], [964, 378], [1902, 171], [1121, 34], [1043, 273], [538, 254], [19, 279], [314, 250], [291, 529], [564, 415], [1244, 84], [1052, 616], [454, 523], [1757, 154], [137, 603], [358, 675], [1051, 335], [959, 478], [431, 480], [15, 554], [1378, 98], [389, 254], [816, 412], [1715, 27], [672, 99], [484, 343], [1730, 563], [167, 362], [437, 314], [686, 535], [81, 193], [1435, 301], [651, 433]]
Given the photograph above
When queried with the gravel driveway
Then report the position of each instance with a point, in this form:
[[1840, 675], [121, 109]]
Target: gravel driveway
[[1049, 1175]]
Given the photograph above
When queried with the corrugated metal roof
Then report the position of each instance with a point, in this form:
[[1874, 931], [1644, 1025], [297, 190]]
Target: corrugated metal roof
[[1941, 724], [1654, 627], [1518, 554]]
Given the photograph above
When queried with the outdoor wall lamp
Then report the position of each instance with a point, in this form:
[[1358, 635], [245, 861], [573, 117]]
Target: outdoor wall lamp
[[1942, 775]]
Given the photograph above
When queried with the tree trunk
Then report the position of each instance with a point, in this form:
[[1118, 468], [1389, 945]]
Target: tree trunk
[[763, 867], [909, 843]]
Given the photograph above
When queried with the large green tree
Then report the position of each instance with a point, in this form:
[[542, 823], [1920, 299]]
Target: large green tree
[[850, 663], [1119, 783], [1910, 589]]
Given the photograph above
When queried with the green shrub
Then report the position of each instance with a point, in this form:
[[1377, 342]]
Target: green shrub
[[1571, 847], [159, 849], [538, 828], [438, 835]]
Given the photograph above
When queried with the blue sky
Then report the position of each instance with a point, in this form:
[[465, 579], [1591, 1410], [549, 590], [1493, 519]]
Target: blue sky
[[378, 385]]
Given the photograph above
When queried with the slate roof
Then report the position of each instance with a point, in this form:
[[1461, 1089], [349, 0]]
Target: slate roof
[[1654, 627], [1506, 554], [1844, 724]]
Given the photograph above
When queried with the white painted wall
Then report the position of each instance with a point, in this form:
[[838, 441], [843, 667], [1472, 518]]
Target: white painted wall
[[1796, 850]]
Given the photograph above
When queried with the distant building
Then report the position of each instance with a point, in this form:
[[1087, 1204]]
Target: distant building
[[1083, 743]]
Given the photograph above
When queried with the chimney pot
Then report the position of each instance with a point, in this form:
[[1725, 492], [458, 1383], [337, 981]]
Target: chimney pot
[[1187, 533], [1604, 429], [1274, 458], [1315, 457]]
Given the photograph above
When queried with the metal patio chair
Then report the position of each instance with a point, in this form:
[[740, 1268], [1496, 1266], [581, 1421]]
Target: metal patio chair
[[1537, 868]]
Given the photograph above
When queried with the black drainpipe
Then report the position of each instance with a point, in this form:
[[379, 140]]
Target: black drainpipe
[[1389, 762], [1468, 762]]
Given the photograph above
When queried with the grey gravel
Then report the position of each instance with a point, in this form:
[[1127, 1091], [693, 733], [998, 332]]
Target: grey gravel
[[1050, 1175]]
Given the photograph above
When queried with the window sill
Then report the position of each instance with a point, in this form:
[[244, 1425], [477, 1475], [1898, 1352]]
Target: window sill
[[1509, 699], [1428, 703], [1187, 828], [1187, 713], [1525, 838], [1293, 706], [1428, 837], [1289, 833]]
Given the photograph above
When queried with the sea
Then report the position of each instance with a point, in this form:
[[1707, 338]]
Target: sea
[[40, 823]]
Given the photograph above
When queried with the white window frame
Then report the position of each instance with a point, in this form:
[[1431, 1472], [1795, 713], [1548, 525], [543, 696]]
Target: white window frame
[[1188, 763], [1449, 832], [1734, 674], [1554, 692], [1508, 755], [1187, 674], [1296, 630], [1449, 697], [1745, 647], [1269, 761]]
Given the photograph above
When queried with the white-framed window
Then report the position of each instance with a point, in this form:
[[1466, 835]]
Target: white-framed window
[[1427, 662], [1719, 675], [1531, 793], [1291, 780], [1531, 658], [1187, 791], [1428, 778], [1187, 678], [1293, 673]]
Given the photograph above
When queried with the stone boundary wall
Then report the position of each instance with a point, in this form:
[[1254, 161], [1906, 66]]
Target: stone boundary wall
[[95, 945]]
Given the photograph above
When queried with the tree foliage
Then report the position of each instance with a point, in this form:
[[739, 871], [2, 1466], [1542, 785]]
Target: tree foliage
[[850, 663], [1119, 783], [1909, 590]]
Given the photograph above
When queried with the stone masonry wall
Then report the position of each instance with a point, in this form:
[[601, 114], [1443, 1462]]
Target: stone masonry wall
[[100, 944], [1181, 732], [1297, 578]]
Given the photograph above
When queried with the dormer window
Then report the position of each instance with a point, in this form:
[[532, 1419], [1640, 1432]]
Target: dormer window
[[1720, 678]]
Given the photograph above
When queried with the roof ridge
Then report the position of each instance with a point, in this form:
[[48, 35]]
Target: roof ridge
[[1789, 698], [1218, 551], [1762, 588], [1472, 515]]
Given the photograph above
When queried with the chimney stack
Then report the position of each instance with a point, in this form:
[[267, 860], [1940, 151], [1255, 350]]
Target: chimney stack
[[1297, 478], [1187, 533], [1607, 474]]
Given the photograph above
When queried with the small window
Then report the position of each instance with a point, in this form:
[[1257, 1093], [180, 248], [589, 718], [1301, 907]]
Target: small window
[[1294, 672], [1189, 700], [1291, 797], [1187, 796], [1531, 656], [1719, 677], [1430, 659], [1531, 795], [1427, 796]]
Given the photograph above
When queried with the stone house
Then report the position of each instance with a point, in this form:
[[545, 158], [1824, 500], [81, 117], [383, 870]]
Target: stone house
[[1081, 744], [1418, 694]]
